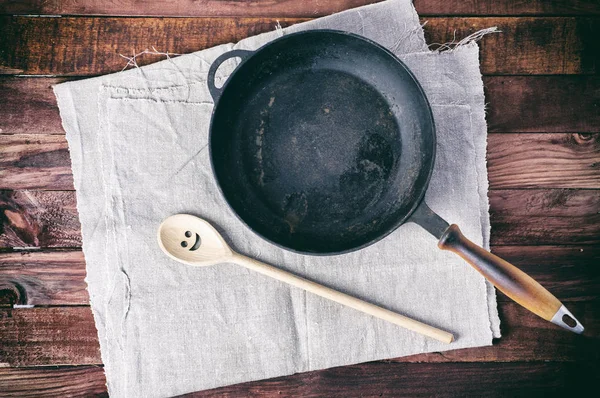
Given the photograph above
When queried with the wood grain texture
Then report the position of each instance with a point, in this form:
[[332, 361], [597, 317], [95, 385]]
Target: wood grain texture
[[56, 277], [535, 104], [569, 272], [39, 219], [188, 8], [558, 216], [550, 104], [36, 161], [53, 381], [48, 336], [29, 106], [289, 8], [543, 160], [90, 46], [30, 338], [374, 378], [379, 379], [43, 278], [519, 217], [526, 45], [27, 160], [507, 7]]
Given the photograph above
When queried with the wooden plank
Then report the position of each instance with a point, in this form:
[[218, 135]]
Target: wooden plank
[[30, 338], [526, 45], [519, 217], [53, 381], [39, 219], [289, 8], [369, 379], [189, 8], [569, 272], [45, 278], [507, 7], [90, 46], [36, 161], [29, 106], [535, 104], [550, 104], [379, 379], [544, 160], [48, 336], [557, 216]]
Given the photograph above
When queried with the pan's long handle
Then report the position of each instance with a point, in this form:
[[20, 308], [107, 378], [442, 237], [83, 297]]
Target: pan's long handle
[[513, 282], [342, 298], [510, 280], [212, 71]]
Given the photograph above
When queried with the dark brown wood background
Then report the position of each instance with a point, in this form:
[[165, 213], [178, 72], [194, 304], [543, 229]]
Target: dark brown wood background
[[542, 85]]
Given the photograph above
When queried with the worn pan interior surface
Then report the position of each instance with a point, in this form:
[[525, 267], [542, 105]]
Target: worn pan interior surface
[[322, 142]]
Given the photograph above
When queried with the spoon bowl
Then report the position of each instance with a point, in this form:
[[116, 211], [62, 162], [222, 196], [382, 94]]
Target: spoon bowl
[[193, 241]]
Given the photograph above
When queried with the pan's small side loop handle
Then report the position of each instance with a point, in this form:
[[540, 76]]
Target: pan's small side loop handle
[[214, 91], [513, 282]]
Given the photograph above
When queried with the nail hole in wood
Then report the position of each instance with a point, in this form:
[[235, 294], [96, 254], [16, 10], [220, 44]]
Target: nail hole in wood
[[11, 294], [585, 136], [8, 297]]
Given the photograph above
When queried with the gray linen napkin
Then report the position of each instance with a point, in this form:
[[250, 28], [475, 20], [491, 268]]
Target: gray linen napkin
[[138, 148]]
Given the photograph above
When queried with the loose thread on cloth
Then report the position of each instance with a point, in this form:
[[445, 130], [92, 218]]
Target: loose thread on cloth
[[279, 29], [453, 44], [131, 61]]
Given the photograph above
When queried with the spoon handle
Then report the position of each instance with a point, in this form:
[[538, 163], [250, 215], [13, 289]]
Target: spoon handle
[[342, 298]]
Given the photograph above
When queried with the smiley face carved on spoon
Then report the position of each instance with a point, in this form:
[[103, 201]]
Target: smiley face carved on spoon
[[196, 244]]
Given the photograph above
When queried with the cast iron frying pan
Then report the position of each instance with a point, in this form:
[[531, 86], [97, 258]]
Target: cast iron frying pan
[[323, 142]]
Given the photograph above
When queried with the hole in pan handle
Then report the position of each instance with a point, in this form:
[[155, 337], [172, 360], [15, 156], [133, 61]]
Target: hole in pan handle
[[215, 92], [509, 279]]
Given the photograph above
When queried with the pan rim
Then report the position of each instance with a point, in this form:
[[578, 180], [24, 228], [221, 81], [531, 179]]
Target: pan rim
[[422, 189]]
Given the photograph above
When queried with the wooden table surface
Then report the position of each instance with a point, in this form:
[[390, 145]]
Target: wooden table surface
[[542, 85]]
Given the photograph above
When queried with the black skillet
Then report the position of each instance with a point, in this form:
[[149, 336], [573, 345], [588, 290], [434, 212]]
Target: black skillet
[[323, 142]]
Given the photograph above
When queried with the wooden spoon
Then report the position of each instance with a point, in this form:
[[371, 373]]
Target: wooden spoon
[[191, 240]]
